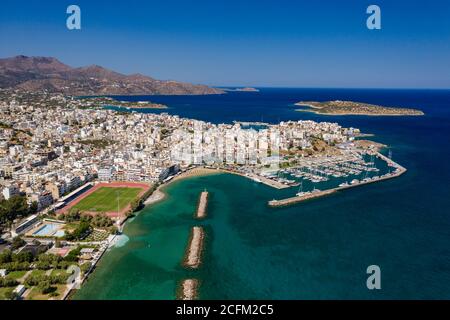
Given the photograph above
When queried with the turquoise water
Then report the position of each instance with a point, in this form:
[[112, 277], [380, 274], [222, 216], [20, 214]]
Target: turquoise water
[[314, 250]]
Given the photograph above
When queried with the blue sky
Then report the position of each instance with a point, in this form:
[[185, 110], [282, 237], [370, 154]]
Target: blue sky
[[257, 43]]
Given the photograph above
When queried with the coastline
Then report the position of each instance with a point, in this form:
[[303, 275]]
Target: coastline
[[159, 194], [162, 107]]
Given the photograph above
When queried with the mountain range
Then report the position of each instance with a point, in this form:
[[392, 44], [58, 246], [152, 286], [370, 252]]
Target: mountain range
[[48, 73]]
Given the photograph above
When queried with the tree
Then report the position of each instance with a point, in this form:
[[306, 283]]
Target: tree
[[73, 215], [15, 207], [45, 287], [33, 208], [17, 243], [11, 295], [5, 256], [8, 282], [101, 221], [24, 256]]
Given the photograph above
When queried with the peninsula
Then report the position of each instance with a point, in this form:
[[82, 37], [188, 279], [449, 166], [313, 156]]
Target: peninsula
[[100, 102], [339, 107]]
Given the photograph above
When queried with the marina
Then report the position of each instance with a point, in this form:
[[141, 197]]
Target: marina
[[316, 193]]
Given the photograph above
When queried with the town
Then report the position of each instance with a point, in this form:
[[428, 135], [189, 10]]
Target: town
[[56, 151]]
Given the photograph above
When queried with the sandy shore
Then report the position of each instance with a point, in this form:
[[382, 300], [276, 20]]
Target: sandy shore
[[156, 196], [202, 203], [196, 172], [195, 247], [159, 194]]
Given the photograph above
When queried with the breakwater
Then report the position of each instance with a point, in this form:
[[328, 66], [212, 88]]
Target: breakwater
[[202, 204], [193, 256], [188, 289]]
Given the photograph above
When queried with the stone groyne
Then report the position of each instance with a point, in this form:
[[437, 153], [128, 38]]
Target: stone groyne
[[193, 256]]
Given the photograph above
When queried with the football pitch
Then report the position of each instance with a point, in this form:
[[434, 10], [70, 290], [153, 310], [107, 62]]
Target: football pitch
[[107, 199]]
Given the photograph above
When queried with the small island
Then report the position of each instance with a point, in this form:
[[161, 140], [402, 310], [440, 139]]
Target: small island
[[339, 107], [246, 89]]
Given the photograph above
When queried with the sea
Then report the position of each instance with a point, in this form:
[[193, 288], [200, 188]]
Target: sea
[[319, 249]]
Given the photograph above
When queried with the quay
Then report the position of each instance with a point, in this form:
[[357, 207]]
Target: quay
[[308, 196], [399, 170], [259, 178], [202, 203], [188, 289], [194, 250]]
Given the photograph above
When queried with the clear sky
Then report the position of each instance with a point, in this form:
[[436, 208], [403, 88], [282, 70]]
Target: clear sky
[[291, 43]]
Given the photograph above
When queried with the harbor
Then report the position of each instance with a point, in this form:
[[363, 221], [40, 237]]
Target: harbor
[[316, 193]]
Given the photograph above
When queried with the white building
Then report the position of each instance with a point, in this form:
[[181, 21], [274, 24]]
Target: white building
[[10, 191]]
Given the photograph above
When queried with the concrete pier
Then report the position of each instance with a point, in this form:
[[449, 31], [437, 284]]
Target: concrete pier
[[193, 257], [399, 170], [292, 200], [202, 204]]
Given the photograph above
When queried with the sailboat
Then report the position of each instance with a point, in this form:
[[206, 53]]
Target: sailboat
[[300, 190]]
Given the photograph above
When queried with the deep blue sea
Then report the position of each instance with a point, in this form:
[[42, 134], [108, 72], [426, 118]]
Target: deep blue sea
[[315, 250]]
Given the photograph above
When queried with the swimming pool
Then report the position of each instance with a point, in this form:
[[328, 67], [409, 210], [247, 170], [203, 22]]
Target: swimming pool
[[48, 230], [59, 234]]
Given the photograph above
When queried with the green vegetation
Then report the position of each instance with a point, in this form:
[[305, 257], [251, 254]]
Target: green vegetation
[[8, 282], [81, 232], [107, 199], [43, 284], [13, 208], [16, 274], [7, 293], [84, 224], [17, 243], [97, 235]]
